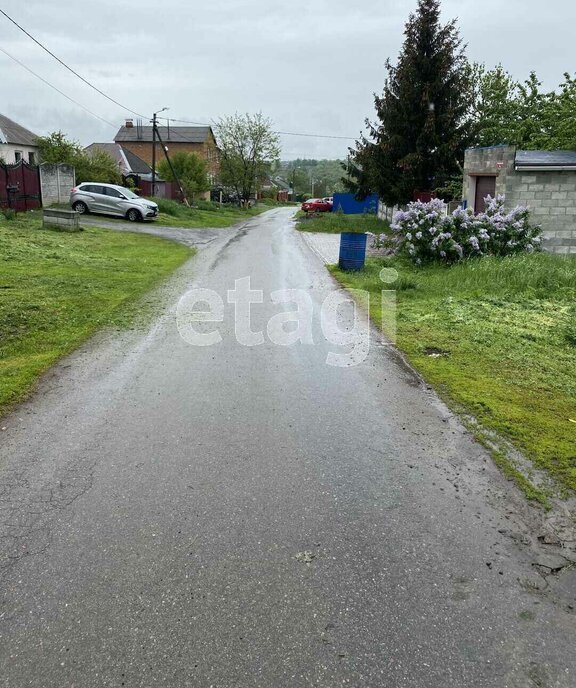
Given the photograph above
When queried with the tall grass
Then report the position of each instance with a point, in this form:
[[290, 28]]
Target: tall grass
[[176, 209], [530, 275]]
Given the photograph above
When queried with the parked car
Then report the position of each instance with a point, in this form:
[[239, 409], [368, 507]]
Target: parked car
[[110, 199], [317, 205]]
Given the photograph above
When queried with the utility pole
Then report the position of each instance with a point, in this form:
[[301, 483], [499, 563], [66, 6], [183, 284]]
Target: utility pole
[[154, 154], [184, 198], [154, 129]]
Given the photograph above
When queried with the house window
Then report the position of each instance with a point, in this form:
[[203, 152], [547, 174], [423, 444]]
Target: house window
[[17, 156], [31, 158]]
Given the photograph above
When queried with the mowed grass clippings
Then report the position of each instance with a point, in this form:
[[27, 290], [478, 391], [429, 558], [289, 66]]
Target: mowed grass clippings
[[58, 288], [496, 337]]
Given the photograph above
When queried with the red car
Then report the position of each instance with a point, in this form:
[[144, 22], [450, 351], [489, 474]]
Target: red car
[[317, 205]]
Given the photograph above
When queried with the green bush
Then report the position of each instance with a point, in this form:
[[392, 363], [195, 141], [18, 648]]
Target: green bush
[[425, 234]]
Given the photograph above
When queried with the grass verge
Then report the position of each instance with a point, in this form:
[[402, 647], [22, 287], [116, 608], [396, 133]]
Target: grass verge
[[57, 289], [335, 223], [497, 339], [206, 215]]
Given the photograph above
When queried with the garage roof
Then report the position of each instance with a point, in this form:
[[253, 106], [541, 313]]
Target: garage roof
[[545, 160]]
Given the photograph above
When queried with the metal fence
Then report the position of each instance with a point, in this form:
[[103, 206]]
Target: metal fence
[[20, 186]]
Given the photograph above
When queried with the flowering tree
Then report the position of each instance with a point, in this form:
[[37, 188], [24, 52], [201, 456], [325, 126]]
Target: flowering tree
[[425, 233], [248, 147]]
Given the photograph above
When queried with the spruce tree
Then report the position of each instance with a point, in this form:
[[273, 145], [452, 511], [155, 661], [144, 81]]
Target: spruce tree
[[423, 116]]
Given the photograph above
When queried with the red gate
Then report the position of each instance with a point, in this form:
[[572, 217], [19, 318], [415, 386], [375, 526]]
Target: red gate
[[20, 186]]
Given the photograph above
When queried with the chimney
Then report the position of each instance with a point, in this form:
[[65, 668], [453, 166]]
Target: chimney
[[129, 124]]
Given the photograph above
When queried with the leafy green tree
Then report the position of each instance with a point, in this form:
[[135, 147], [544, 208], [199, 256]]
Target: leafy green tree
[[56, 148], [423, 116], [97, 166], [248, 149], [495, 105], [326, 175], [521, 114], [564, 115], [297, 178], [191, 169], [93, 166]]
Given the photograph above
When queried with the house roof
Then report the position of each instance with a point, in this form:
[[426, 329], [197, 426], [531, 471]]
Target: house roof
[[545, 160], [173, 134], [137, 165], [282, 184], [128, 161], [12, 132]]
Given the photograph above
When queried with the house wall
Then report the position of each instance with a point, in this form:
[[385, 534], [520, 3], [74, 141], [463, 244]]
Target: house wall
[[208, 151], [551, 196], [8, 153]]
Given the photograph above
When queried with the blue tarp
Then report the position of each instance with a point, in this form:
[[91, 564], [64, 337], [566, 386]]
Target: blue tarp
[[350, 206]]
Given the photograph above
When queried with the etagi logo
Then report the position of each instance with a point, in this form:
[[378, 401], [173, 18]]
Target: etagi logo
[[343, 318]]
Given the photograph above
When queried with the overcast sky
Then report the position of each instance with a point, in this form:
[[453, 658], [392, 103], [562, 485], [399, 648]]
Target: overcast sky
[[311, 66]]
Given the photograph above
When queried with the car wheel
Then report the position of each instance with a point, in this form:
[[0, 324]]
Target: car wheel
[[133, 215], [80, 207]]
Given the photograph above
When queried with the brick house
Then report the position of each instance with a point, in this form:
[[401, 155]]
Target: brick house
[[17, 143], [200, 140], [545, 181]]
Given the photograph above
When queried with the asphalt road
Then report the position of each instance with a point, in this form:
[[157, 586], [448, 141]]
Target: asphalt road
[[241, 516]]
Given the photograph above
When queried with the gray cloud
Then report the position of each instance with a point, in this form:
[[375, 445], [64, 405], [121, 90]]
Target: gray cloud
[[310, 66]]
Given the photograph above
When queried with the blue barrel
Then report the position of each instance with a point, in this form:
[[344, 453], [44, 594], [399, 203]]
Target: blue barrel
[[352, 251]]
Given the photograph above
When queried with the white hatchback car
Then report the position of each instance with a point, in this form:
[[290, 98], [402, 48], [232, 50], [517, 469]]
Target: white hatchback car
[[109, 199]]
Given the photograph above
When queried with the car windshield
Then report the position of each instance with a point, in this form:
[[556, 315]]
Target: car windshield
[[127, 192]]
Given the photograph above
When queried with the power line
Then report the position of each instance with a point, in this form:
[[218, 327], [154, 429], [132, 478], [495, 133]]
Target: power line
[[66, 66], [317, 136], [282, 133], [124, 107], [114, 126]]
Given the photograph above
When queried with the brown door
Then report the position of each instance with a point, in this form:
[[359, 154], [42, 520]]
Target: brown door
[[485, 186]]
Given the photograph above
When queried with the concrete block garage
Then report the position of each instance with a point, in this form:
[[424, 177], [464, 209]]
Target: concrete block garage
[[545, 181]]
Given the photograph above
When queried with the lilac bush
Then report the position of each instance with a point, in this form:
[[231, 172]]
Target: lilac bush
[[425, 233]]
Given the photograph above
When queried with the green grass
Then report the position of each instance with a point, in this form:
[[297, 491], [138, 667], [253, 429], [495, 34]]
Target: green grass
[[334, 223], [204, 215], [207, 215], [57, 289], [505, 330]]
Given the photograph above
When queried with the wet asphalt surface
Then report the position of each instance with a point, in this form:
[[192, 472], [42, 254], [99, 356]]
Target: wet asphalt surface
[[235, 516]]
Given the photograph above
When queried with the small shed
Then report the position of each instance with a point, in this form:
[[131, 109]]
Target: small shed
[[545, 181]]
